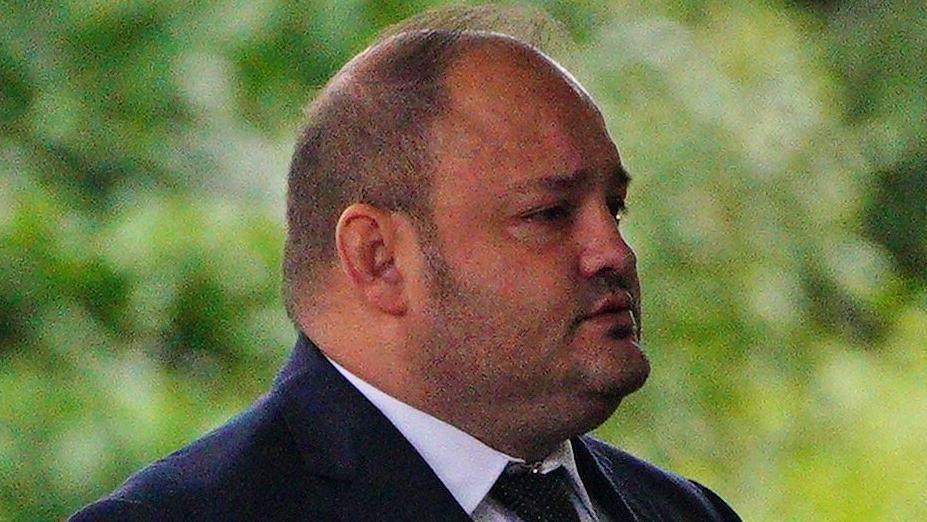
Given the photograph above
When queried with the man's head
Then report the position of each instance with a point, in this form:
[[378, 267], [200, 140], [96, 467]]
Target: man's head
[[365, 140], [503, 300]]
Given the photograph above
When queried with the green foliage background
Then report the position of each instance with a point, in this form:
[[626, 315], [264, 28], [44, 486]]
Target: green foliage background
[[778, 210]]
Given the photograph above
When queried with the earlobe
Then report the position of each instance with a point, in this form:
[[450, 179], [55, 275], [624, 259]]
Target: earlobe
[[365, 241]]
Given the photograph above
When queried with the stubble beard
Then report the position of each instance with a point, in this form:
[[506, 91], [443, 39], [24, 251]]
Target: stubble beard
[[457, 347]]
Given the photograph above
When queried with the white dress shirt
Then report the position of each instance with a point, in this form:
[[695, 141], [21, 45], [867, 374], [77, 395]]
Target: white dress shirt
[[467, 467]]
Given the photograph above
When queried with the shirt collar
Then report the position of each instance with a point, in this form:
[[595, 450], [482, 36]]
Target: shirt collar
[[467, 467]]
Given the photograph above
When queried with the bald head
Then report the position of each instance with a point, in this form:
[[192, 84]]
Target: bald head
[[372, 134], [494, 86], [495, 66]]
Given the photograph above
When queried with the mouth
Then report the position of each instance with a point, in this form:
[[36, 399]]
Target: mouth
[[619, 324], [622, 332], [615, 313]]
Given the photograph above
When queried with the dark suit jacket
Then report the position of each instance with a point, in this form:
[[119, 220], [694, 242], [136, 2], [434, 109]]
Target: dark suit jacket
[[314, 448]]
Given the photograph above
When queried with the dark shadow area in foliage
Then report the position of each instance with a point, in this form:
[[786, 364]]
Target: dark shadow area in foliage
[[16, 89], [897, 216], [839, 313], [199, 326]]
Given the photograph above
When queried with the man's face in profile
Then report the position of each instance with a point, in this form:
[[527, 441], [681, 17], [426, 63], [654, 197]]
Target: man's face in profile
[[532, 296]]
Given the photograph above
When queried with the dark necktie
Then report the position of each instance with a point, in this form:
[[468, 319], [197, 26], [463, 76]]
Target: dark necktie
[[535, 496]]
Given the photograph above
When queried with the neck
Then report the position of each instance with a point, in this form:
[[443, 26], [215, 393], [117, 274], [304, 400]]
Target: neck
[[509, 427], [526, 440], [515, 425]]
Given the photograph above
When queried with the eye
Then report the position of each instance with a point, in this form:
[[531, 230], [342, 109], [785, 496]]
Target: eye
[[618, 209], [551, 214]]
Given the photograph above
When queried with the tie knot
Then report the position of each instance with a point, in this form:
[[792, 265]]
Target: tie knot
[[535, 496]]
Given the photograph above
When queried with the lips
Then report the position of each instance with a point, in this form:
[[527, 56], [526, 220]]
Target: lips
[[612, 304], [617, 309]]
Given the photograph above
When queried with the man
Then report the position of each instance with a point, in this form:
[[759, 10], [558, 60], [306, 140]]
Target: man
[[467, 305]]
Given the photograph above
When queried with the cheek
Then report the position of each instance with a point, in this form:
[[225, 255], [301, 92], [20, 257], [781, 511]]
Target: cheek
[[535, 297], [524, 281], [533, 286]]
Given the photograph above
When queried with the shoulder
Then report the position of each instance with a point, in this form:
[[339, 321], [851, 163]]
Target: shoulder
[[650, 489], [245, 469], [116, 509]]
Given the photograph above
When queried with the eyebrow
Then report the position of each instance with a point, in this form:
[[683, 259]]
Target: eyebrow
[[572, 181]]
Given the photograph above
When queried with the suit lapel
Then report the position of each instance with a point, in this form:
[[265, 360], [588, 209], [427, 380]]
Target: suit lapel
[[601, 488], [393, 482], [343, 437]]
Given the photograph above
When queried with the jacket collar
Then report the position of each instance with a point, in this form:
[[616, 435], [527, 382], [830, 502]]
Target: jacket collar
[[342, 436], [600, 481]]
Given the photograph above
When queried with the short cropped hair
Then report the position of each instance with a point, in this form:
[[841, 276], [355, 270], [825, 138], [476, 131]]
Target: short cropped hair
[[366, 136]]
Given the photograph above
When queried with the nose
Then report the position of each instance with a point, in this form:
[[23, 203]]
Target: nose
[[603, 248]]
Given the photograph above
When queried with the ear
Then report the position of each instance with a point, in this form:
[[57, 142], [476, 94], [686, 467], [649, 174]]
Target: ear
[[366, 240]]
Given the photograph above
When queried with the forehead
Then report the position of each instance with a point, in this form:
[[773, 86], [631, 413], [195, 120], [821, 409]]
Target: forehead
[[514, 116]]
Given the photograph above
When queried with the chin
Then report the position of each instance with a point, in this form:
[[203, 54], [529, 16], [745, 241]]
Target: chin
[[634, 367], [607, 404], [613, 360], [597, 399], [615, 386], [622, 368], [635, 375]]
